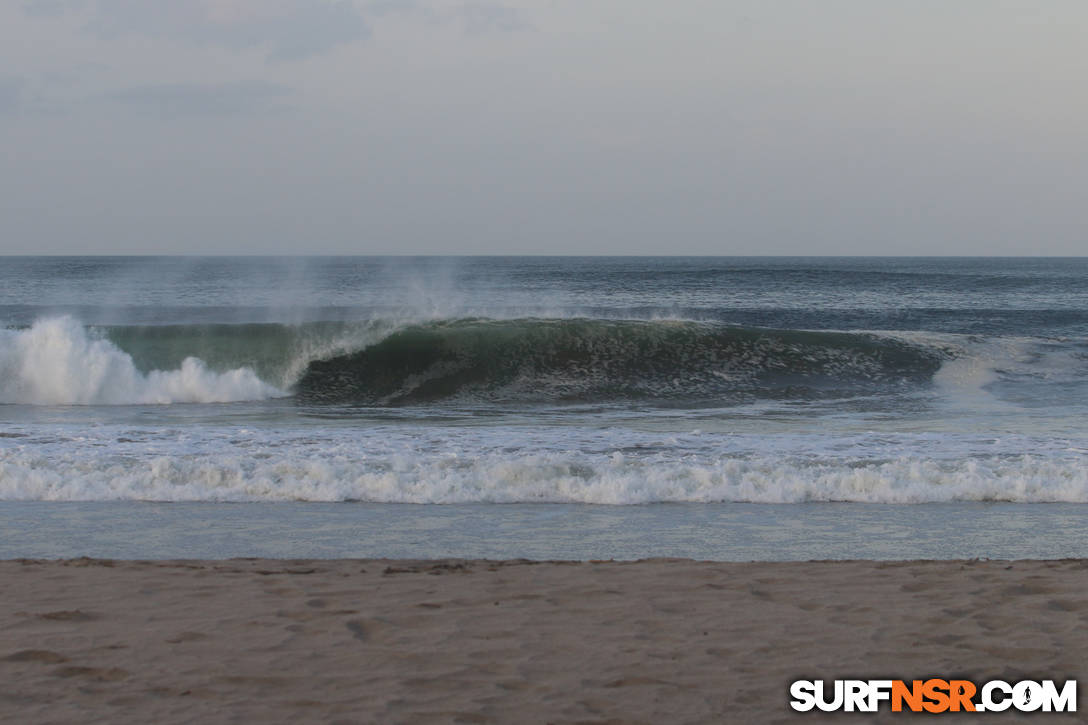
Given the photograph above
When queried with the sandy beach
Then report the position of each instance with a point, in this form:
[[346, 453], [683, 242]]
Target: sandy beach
[[657, 641]]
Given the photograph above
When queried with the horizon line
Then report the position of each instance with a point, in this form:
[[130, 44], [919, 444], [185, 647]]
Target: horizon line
[[332, 255]]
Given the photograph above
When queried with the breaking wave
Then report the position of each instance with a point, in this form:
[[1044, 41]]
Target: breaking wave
[[56, 362], [600, 360]]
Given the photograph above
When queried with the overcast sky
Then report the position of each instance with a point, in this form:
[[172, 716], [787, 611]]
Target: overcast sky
[[544, 126]]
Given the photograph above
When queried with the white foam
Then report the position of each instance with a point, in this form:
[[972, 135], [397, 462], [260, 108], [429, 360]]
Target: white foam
[[56, 362], [81, 471]]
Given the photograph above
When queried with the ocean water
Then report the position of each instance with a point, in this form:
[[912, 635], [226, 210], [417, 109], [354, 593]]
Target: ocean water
[[711, 407]]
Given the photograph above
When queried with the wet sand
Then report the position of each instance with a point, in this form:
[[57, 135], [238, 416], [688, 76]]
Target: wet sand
[[657, 641]]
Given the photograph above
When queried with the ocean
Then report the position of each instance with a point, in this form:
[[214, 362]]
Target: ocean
[[622, 407]]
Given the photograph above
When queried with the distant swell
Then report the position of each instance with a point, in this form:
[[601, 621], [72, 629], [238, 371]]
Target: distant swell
[[56, 362], [600, 360]]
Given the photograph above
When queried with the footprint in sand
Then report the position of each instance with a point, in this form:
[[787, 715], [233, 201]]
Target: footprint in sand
[[357, 629], [99, 674], [74, 615], [42, 656]]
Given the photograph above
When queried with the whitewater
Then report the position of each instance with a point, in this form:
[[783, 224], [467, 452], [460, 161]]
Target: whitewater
[[57, 362]]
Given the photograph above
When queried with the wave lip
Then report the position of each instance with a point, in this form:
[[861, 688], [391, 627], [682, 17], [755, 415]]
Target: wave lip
[[598, 360], [57, 362]]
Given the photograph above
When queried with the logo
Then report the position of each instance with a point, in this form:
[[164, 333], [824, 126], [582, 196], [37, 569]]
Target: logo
[[933, 696]]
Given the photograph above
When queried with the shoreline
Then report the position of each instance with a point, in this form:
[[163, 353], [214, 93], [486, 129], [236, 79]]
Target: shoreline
[[714, 532], [482, 641]]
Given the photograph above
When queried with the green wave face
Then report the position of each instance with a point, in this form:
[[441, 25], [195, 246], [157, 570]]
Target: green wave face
[[598, 360]]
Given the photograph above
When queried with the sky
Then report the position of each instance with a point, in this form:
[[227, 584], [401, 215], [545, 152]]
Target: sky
[[543, 127]]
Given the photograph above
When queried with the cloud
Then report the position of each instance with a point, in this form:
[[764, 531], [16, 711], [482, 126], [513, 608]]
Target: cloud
[[473, 17], [11, 94], [50, 8], [284, 29], [172, 100], [479, 17]]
